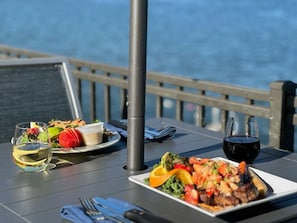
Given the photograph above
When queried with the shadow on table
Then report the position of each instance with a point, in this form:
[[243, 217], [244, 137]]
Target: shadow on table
[[263, 208], [268, 154], [64, 160]]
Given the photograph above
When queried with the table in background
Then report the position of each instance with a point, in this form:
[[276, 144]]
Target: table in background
[[38, 197]]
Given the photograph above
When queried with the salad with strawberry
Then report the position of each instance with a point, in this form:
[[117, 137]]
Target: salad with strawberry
[[69, 134], [62, 134]]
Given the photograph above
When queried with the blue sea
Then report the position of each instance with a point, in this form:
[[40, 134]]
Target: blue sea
[[243, 42]]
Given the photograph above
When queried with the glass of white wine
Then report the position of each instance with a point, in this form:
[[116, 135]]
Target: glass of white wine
[[31, 150]]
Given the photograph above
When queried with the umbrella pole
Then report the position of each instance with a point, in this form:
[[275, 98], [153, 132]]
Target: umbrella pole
[[136, 84]]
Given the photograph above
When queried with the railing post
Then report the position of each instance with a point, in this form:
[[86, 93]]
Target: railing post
[[78, 85], [179, 109], [125, 104], [107, 100], [281, 133], [159, 103]]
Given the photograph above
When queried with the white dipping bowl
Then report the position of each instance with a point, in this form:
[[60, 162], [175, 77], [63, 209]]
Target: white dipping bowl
[[92, 134]]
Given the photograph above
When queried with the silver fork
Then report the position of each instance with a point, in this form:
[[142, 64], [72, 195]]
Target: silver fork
[[94, 213]]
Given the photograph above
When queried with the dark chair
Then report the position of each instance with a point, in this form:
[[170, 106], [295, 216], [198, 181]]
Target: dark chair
[[38, 89]]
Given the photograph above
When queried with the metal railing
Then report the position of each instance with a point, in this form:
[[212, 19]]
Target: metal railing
[[99, 85]]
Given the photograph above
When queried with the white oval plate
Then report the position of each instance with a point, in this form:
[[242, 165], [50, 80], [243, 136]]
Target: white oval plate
[[113, 138]]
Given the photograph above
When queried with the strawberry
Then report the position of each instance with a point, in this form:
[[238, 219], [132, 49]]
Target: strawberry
[[70, 138], [32, 131]]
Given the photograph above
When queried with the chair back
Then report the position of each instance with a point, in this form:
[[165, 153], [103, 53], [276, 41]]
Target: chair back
[[38, 89]]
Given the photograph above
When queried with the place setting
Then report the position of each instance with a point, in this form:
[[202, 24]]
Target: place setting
[[216, 185], [109, 210], [39, 146]]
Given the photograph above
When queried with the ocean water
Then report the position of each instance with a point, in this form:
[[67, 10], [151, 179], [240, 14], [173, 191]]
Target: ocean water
[[248, 42]]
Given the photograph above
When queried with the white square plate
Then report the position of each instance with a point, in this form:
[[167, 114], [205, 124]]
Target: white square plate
[[281, 187]]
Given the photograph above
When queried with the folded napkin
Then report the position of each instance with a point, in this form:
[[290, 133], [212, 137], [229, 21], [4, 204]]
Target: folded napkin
[[150, 134], [75, 213], [113, 128]]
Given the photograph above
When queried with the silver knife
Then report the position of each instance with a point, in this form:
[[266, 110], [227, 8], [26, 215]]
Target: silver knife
[[140, 216], [129, 211], [109, 212]]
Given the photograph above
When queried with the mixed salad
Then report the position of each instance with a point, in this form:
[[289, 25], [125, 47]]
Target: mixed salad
[[62, 134]]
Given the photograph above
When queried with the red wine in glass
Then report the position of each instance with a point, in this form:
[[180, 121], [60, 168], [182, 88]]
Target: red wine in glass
[[241, 148], [241, 142]]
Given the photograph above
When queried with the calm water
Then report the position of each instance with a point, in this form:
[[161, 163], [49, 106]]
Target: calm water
[[246, 42]]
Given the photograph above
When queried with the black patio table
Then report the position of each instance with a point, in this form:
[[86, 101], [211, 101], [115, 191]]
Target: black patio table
[[38, 197]]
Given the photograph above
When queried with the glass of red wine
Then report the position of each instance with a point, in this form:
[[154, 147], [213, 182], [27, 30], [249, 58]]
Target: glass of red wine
[[241, 141]]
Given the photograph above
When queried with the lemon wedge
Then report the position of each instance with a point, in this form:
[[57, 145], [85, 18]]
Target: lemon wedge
[[158, 177]]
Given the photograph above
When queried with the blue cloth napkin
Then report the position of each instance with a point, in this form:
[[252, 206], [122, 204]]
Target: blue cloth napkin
[[76, 214]]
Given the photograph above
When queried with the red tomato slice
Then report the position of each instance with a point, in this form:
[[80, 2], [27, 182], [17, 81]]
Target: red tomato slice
[[182, 166], [191, 195]]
